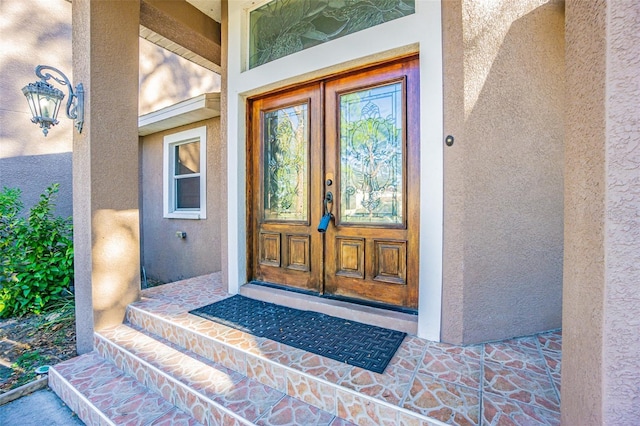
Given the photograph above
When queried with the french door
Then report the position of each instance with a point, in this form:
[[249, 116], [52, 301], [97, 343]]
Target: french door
[[334, 185]]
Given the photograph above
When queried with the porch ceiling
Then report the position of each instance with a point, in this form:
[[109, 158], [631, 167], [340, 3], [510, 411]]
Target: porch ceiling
[[211, 8]]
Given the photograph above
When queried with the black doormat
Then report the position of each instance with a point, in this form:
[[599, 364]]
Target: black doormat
[[354, 343]]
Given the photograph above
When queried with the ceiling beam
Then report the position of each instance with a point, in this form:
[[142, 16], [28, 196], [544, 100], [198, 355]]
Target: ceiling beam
[[185, 26]]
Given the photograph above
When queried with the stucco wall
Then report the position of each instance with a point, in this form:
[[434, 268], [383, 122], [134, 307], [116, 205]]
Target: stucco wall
[[29, 36], [503, 177], [166, 78], [165, 257], [601, 331]]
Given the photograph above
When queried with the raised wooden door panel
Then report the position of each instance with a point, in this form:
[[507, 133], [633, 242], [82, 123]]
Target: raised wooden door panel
[[285, 161], [390, 261], [372, 151], [269, 249]]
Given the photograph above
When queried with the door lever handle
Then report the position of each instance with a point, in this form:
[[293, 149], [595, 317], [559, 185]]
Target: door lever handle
[[326, 217]]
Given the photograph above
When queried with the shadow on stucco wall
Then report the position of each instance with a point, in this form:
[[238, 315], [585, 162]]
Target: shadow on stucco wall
[[32, 174], [30, 36], [508, 163], [166, 78], [515, 181]]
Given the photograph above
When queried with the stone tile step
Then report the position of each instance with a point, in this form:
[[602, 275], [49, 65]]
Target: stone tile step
[[101, 394], [209, 392], [350, 393]]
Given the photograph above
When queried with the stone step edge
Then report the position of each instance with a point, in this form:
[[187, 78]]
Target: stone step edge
[[81, 405], [175, 382], [250, 356]]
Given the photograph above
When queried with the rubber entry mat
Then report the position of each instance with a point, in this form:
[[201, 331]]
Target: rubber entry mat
[[354, 343]]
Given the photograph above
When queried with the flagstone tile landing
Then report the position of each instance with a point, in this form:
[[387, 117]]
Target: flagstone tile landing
[[167, 366]]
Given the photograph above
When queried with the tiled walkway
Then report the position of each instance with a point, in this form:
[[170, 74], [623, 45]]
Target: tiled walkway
[[511, 382]]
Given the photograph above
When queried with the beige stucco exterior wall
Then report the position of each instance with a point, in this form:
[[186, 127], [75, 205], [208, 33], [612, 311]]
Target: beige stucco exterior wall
[[29, 36], [166, 78], [601, 331], [503, 203], [164, 256]]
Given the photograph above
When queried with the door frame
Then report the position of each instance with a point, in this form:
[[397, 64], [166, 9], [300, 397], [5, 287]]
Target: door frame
[[418, 33]]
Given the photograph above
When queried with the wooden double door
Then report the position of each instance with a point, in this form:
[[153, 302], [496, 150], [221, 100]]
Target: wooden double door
[[333, 190]]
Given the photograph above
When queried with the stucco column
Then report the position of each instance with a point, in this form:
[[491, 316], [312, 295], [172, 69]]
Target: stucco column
[[105, 164], [601, 306]]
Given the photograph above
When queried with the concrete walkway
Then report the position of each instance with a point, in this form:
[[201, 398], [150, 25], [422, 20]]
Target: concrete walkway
[[41, 408]]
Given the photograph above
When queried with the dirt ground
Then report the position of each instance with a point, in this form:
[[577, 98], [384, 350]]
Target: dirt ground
[[32, 341], [35, 340]]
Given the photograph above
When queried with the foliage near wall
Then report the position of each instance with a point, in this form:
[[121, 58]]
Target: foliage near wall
[[36, 263]]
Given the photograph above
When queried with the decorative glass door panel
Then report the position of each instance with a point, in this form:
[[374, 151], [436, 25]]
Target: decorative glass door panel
[[285, 162], [371, 155], [286, 159], [339, 156], [372, 148]]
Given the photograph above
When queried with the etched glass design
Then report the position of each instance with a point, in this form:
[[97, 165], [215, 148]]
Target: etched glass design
[[371, 141], [286, 147], [282, 27]]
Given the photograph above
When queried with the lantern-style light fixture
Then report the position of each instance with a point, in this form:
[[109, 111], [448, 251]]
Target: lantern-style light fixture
[[44, 99]]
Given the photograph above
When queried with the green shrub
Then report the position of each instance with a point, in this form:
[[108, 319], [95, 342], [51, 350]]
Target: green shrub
[[36, 268]]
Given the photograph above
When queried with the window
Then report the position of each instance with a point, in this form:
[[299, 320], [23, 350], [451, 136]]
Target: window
[[282, 27], [184, 174]]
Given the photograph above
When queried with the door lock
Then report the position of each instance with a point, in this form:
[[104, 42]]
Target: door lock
[[328, 179], [326, 217]]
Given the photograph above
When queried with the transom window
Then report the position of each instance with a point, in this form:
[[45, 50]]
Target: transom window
[[185, 174], [281, 27]]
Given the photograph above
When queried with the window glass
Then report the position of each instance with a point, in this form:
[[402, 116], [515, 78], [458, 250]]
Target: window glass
[[187, 158], [188, 193]]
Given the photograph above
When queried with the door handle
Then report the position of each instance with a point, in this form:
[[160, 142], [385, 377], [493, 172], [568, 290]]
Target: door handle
[[326, 217]]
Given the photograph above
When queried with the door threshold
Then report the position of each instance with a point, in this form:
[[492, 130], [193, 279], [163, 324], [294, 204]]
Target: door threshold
[[307, 301]]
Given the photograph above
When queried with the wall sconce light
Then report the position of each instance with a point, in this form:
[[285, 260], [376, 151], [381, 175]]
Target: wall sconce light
[[44, 99]]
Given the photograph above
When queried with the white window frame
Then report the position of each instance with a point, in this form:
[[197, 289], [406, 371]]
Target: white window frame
[[170, 211]]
